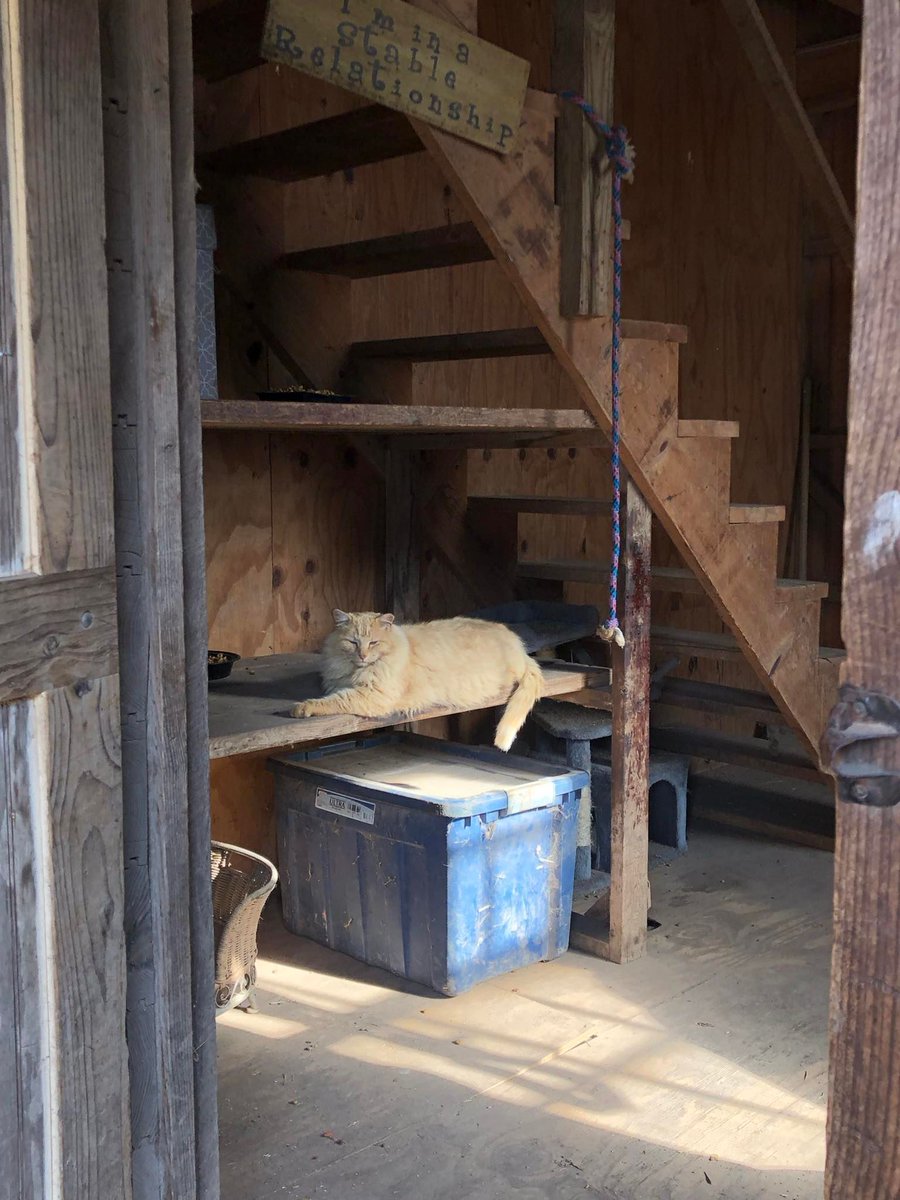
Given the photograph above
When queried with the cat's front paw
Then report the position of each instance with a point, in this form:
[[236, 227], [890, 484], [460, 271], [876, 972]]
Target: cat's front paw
[[306, 708]]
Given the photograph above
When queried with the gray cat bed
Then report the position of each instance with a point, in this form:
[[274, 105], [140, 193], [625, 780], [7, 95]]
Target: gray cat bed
[[667, 804], [668, 781], [543, 624], [577, 727]]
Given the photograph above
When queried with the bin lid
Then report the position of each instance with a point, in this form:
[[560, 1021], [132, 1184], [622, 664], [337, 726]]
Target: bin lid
[[446, 778]]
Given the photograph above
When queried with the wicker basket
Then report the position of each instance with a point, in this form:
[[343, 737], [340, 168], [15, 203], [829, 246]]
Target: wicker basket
[[241, 884]]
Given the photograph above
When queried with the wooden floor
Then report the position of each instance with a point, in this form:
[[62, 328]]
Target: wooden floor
[[699, 1071]]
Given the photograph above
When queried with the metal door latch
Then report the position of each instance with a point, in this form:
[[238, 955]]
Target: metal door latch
[[858, 720]]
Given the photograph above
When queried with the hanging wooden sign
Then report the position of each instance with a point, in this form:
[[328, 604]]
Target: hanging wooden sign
[[402, 57]]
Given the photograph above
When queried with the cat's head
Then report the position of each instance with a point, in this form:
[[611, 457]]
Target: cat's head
[[365, 637]]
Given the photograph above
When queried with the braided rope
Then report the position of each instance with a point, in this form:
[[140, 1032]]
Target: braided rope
[[620, 153]]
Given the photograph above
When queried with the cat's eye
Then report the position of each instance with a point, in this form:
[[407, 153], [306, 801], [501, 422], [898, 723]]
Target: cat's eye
[[374, 643]]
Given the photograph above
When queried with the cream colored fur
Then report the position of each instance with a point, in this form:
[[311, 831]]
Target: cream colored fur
[[375, 668]]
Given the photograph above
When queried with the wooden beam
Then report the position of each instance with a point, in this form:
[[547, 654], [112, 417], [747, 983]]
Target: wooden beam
[[55, 630], [629, 894], [143, 332], [196, 627], [401, 534], [863, 1158], [583, 58], [851, 6], [787, 108]]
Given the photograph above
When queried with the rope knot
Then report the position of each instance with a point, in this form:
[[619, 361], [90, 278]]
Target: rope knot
[[619, 149]]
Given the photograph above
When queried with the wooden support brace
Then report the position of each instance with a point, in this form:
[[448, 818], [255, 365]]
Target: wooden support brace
[[584, 44], [55, 630], [787, 108], [629, 894]]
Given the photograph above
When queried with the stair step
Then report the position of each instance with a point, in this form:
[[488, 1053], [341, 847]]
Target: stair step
[[553, 505], [447, 347], [446, 246], [680, 579], [352, 139], [701, 644], [492, 343], [709, 429], [698, 696], [565, 571], [226, 38], [761, 753], [755, 514]]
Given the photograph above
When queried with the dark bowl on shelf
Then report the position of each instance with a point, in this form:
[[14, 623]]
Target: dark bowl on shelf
[[304, 396], [219, 664]]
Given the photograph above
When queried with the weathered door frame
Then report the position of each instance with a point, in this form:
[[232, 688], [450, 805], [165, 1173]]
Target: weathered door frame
[[863, 739], [147, 88]]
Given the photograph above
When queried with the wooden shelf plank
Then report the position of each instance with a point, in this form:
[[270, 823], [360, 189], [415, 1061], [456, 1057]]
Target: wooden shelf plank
[[249, 712], [421, 250], [396, 419], [352, 139]]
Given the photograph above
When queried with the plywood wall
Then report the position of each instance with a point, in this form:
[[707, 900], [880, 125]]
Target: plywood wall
[[294, 526]]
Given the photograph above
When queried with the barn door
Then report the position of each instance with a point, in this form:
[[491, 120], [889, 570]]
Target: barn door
[[64, 1093]]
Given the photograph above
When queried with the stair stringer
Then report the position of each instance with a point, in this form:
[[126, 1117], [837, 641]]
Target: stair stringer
[[685, 480]]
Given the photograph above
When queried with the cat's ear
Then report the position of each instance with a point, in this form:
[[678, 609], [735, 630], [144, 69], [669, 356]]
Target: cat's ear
[[386, 619], [340, 617]]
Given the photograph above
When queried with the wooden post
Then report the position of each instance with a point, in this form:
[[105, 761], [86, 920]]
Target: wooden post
[[583, 56], [158, 669], [401, 533], [64, 1099], [864, 733], [184, 212], [629, 891]]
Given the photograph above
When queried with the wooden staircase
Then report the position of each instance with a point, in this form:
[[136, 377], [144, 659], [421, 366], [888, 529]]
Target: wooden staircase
[[682, 467]]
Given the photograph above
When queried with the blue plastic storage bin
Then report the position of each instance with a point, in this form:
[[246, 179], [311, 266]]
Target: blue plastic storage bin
[[444, 864]]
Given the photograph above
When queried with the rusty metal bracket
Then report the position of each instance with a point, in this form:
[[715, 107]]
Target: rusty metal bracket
[[859, 722]]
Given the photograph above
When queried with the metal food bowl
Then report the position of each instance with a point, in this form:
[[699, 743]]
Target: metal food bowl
[[219, 664]]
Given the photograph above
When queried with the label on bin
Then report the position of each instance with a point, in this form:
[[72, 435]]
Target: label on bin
[[346, 806]]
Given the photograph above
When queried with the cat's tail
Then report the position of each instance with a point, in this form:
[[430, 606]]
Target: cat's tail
[[529, 690]]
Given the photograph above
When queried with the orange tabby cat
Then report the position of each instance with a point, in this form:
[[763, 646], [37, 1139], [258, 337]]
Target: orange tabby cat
[[372, 667]]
